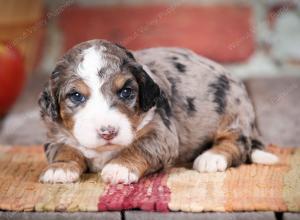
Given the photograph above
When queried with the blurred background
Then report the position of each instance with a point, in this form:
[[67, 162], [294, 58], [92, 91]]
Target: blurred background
[[258, 41]]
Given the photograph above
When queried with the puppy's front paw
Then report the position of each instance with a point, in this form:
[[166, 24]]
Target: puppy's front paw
[[60, 172], [116, 173], [210, 162]]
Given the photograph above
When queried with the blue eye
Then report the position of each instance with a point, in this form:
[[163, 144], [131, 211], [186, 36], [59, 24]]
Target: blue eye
[[126, 93], [77, 98]]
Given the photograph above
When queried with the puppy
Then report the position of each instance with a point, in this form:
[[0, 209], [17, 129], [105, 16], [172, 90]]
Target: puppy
[[127, 114]]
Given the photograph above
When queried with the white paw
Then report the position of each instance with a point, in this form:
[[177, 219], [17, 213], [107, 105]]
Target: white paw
[[59, 175], [115, 173], [263, 157], [210, 162]]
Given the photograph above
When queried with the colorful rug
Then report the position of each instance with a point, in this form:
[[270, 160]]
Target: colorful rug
[[246, 188]]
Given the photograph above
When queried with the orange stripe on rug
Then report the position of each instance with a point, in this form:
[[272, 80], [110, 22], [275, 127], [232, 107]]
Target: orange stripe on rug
[[257, 187], [291, 188], [19, 172]]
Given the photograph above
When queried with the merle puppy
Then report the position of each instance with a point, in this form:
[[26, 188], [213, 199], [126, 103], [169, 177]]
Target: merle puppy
[[127, 114]]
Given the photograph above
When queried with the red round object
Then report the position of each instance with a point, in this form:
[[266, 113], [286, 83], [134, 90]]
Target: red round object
[[12, 76]]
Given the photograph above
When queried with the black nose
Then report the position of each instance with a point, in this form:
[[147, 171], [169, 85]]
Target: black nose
[[108, 132]]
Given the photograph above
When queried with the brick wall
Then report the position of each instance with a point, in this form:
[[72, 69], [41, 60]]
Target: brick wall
[[251, 38]]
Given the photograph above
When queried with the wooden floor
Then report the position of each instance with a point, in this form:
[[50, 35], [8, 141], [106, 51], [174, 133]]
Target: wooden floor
[[278, 112]]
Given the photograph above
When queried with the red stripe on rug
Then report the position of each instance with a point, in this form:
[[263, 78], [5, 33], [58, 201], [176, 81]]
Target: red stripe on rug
[[149, 194]]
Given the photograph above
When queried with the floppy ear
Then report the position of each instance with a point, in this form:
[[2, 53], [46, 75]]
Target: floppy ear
[[149, 91], [128, 53], [48, 103]]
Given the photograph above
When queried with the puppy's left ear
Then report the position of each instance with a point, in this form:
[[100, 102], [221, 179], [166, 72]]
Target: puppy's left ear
[[48, 104], [149, 91], [48, 100]]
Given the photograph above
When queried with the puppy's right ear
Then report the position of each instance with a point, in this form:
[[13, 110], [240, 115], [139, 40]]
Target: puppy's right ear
[[48, 103], [149, 91]]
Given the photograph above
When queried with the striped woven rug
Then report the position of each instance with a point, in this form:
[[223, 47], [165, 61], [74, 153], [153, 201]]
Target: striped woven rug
[[246, 188]]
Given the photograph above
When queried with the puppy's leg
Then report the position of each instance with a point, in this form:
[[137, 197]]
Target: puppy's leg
[[66, 164], [127, 168], [258, 155], [230, 148], [141, 158]]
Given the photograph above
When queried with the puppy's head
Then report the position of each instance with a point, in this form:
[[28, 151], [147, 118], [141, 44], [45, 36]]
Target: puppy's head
[[100, 94]]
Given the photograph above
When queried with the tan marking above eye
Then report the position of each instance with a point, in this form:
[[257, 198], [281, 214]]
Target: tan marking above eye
[[119, 81], [81, 87]]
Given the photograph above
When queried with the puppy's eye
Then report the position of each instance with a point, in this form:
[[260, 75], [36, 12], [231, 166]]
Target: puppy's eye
[[126, 93], [77, 98]]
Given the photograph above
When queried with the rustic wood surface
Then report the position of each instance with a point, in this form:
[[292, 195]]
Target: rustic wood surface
[[23, 125], [277, 108], [291, 216], [59, 215], [136, 215]]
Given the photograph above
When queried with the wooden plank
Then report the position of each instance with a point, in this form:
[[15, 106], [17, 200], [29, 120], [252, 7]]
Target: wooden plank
[[59, 215], [291, 216], [23, 124], [28, 99], [139, 215], [277, 105]]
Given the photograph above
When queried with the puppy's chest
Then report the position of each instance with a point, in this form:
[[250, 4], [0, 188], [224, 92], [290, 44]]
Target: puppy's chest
[[97, 160]]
